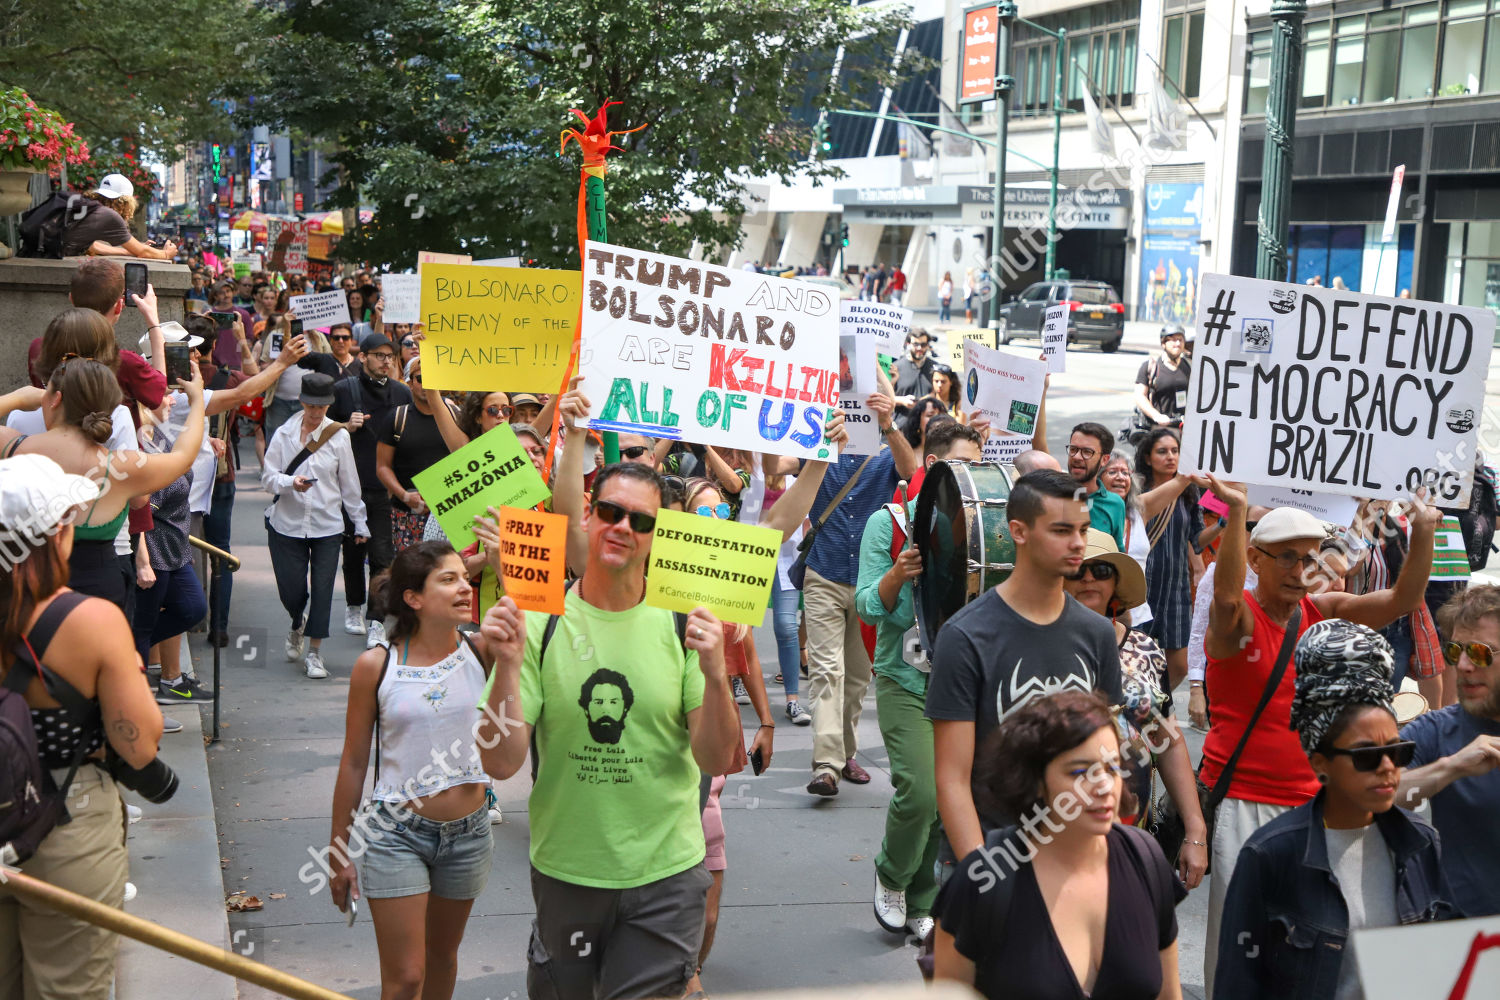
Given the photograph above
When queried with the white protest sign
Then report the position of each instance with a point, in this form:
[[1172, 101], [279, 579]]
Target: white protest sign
[[498, 262], [884, 326], [1443, 960], [403, 297], [855, 356], [691, 351], [1005, 388], [295, 261], [322, 309], [256, 261], [1055, 337], [1336, 392], [1330, 507], [1004, 448]]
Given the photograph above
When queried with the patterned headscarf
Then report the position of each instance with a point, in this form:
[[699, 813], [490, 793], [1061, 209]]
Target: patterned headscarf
[[1339, 664]]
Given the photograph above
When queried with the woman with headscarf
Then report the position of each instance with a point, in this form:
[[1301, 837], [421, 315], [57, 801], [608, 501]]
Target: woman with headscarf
[[1350, 858]]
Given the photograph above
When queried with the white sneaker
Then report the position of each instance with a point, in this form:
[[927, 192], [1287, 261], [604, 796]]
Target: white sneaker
[[313, 665], [890, 908], [494, 815], [294, 644], [354, 619], [376, 635], [133, 812], [129, 891], [921, 927]]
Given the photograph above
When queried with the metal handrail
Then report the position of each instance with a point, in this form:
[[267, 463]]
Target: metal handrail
[[231, 561], [219, 561]]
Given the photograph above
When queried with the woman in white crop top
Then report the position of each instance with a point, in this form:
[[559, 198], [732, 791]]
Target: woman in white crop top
[[423, 838]]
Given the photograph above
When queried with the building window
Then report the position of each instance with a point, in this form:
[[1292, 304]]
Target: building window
[[1182, 50], [1258, 74], [1101, 39], [1463, 47]]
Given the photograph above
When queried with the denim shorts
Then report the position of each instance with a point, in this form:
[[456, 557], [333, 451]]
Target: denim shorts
[[406, 857]]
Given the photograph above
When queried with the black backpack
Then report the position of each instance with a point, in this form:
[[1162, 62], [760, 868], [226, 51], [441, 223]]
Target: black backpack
[[43, 227], [1478, 522], [31, 804]]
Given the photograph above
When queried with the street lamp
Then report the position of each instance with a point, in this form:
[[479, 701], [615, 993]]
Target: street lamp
[[1005, 13], [1272, 221], [1061, 38]]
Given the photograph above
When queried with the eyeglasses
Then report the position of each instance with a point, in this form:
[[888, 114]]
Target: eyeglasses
[[1480, 654], [382, 356], [1368, 758], [1289, 559], [719, 510], [613, 513], [1085, 453], [498, 411], [634, 451], [1099, 571], [408, 343]]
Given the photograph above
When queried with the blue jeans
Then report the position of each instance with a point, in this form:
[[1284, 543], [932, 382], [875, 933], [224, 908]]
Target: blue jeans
[[170, 606], [784, 621], [945, 310], [216, 532], [1398, 634]]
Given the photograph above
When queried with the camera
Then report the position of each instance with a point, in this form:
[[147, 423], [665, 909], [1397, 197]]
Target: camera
[[156, 782]]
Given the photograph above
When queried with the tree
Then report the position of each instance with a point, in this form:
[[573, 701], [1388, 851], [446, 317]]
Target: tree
[[446, 117]]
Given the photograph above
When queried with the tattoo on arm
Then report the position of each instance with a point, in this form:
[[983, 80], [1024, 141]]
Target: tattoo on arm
[[125, 731]]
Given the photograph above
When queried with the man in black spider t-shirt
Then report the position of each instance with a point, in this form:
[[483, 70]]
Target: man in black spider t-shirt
[[1021, 640]]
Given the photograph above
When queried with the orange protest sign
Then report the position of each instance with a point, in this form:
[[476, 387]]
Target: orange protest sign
[[533, 553]]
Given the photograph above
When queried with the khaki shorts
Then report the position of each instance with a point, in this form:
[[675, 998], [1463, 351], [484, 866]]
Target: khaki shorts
[[45, 955]]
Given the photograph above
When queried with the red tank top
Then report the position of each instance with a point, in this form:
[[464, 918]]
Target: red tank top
[[1273, 769]]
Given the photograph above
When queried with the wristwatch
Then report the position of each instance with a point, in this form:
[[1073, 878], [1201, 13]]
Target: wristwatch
[[886, 430]]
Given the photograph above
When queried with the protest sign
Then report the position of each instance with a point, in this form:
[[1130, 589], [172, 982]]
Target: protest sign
[[1004, 448], [884, 326], [489, 328], [1211, 503], [403, 297], [956, 341], [684, 350], [490, 471], [1330, 507], [1329, 390], [496, 262], [245, 262], [724, 566], [429, 257], [533, 555], [860, 421], [490, 590], [321, 309], [1055, 337], [1450, 557], [1005, 388], [1443, 960], [296, 252]]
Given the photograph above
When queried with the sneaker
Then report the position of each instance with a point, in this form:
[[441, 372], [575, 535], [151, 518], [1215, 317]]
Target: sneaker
[[740, 694], [170, 725], [129, 891], [799, 715], [921, 927], [294, 644], [313, 666], [890, 908], [375, 636], [354, 619], [184, 689], [133, 813], [494, 815]]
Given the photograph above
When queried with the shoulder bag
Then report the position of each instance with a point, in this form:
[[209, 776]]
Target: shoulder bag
[[796, 573]]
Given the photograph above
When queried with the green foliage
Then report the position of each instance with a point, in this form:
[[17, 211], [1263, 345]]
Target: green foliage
[[447, 116]]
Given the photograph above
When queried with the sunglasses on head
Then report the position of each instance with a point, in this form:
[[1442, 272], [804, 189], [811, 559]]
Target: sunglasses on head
[[1368, 758], [634, 451], [1099, 571], [612, 513], [1480, 654], [498, 411], [719, 510]]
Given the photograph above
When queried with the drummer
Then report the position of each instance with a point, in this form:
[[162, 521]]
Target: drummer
[[905, 886], [1020, 640]]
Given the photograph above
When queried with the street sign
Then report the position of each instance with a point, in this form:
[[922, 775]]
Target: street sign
[[297, 201], [977, 61]]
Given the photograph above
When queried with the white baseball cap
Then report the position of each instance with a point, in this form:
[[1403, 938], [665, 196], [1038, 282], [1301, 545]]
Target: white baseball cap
[[1285, 524], [172, 332], [115, 186], [36, 495]]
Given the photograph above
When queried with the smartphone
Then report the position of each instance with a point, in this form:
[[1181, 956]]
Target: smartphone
[[224, 320], [353, 912], [276, 342], [296, 326], [179, 362], [137, 277], [757, 761]]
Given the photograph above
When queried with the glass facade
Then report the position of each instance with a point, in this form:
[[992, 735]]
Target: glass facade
[[1182, 50], [1101, 40], [1472, 274]]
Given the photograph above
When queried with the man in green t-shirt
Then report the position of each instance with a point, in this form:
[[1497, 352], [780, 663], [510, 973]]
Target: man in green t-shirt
[[1089, 447], [626, 715]]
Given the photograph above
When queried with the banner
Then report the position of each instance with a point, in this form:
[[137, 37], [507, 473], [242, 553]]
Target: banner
[[857, 362], [533, 556], [403, 297], [724, 566], [323, 309], [977, 58], [490, 328], [1055, 337], [493, 470], [1334, 509], [1337, 392], [684, 350], [883, 325], [1005, 388]]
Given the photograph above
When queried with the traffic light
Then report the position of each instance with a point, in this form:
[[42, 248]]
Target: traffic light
[[844, 233], [218, 159], [820, 137]]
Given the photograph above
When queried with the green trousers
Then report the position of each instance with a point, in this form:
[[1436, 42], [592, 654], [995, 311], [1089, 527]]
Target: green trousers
[[912, 829]]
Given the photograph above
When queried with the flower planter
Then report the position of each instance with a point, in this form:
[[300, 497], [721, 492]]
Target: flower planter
[[15, 191]]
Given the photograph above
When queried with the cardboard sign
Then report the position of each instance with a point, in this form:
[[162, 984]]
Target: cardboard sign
[[493, 470], [1329, 390], [1055, 337], [1334, 509], [403, 297], [1450, 557], [685, 350], [322, 309], [533, 556], [1005, 388], [429, 257], [724, 566], [1444, 960], [490, 328], [884, 326], [956, 340]]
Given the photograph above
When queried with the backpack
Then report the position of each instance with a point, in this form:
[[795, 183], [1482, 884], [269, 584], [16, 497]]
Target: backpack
[[398, 420], [43, 227], [31, 803], [1478, 521]]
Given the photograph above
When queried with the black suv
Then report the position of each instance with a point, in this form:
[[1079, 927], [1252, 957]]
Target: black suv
[[1095, 313]]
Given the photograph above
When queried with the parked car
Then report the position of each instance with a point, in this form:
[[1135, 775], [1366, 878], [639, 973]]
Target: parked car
[[1095, 313]]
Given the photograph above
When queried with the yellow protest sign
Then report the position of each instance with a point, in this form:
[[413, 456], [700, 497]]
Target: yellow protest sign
[[497, 328], [724, 566], [958, 337], [533, 556]]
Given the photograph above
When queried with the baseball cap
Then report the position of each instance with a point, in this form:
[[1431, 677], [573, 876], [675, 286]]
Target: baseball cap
[[172, 332], [36, 494], [374, 342], [115, 186], [1284, 524], [317, 389]]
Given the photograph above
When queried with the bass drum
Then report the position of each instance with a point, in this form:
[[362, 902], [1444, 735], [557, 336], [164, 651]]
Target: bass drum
[[962, 529]]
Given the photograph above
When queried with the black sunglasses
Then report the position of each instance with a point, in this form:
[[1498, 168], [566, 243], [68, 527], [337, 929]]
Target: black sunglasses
[[634, 451], [498, 411], [613, 513], [1480, 654], [1368, 758], [1100, 571], [339, 336]]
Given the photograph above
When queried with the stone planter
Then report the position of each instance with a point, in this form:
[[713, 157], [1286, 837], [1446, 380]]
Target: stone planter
[[15, 191]]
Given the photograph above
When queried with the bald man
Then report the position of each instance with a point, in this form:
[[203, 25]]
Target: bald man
[[1031, 461]]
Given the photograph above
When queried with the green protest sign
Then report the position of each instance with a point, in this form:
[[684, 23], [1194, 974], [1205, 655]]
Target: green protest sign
[[724, 566], [493, 470], [1450, 557]]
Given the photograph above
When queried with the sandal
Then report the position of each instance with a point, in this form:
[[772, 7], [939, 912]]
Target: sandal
[[777, 679]]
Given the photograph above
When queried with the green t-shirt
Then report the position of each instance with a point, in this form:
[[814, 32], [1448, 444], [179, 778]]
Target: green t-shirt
[[615, 804]]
